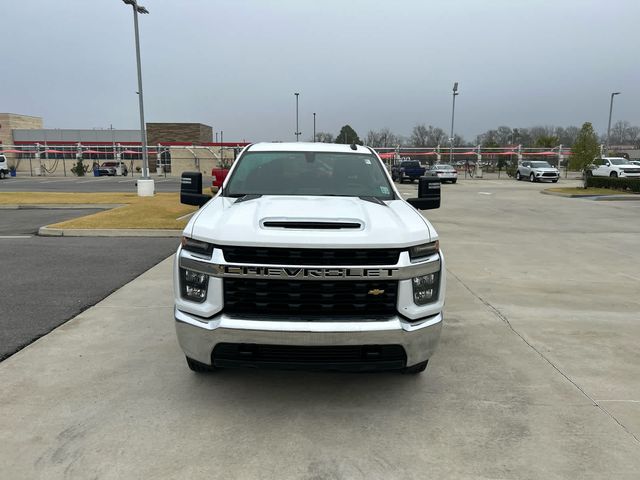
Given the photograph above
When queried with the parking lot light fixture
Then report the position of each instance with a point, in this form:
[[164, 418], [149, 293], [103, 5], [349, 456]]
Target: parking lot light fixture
[[453, 113], [613, 94], [297, 127], [145, 185]]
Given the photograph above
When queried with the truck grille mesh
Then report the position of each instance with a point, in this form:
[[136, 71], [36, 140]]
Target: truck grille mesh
[[311, 256], [310, 298], [391, 355]]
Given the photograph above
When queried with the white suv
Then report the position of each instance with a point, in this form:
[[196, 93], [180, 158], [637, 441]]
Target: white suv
[[614, 167], [4, 167]]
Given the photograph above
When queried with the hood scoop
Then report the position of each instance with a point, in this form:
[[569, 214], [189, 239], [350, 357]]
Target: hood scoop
[[310, 225]]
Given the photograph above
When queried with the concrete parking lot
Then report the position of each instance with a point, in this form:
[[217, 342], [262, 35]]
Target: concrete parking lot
[[536, 376]]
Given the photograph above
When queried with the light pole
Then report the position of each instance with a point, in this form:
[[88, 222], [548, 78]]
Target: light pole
[[145, 184], [314, 126], [610, 112], [453, 114], [297, 128]]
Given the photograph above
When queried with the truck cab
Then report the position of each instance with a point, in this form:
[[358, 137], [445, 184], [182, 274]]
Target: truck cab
[[407, 170]]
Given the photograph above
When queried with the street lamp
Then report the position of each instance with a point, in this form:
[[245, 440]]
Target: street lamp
[[314, 126], [297, 128], [610, 111], [453, 113], [145, 184]]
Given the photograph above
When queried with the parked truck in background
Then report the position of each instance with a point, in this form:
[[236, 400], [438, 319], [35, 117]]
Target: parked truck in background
[[4, 167], [407, 170], [308, 257]]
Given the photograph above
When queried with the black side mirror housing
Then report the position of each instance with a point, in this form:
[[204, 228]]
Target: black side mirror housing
[[428, 194], [191, 189]]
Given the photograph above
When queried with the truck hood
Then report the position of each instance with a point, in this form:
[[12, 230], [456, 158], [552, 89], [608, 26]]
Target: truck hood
[[396, 224]]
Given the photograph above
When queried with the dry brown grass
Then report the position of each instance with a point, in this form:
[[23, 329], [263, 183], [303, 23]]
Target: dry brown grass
[[158, 212]]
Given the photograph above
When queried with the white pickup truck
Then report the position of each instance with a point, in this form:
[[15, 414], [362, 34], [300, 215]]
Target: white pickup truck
[[308, 257], [614, 167]]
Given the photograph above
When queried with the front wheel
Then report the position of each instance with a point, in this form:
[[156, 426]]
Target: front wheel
[[2, 175], [518, 176], [454, 181], [613, 174], [555, 181], [532, 178]]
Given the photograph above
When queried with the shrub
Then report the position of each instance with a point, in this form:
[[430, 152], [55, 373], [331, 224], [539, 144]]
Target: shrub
[[614, 183], [79, 168]]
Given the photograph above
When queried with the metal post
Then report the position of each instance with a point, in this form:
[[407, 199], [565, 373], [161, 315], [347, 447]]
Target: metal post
[[221, 149], [610, 112], [453, 113], [314, 126], [297, 127], [145, 185]]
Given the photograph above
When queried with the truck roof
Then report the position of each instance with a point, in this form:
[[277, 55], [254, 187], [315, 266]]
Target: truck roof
[[306, 147]]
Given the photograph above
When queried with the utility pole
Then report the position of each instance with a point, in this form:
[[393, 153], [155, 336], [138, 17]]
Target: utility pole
[[314, 126]]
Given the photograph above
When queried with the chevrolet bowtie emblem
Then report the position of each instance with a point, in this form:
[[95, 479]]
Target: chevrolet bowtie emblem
[[376, 291]]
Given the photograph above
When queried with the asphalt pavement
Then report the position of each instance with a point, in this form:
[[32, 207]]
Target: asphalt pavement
[[47, 280], [88, 184]]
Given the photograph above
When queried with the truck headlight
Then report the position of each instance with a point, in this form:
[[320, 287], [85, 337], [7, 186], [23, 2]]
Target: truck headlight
[[194, 285], [197, 246], [425, 288], [424, 250]]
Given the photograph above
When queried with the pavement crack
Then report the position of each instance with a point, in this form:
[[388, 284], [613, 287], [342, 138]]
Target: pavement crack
[[506, 321]]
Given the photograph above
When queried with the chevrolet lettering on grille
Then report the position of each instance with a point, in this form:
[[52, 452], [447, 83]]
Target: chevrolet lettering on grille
[[295, 272]]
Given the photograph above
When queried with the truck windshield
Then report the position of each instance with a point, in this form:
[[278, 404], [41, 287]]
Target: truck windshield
[[309, 173]]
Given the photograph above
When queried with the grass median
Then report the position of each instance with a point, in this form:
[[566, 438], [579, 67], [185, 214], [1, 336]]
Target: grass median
[[587, 191], [158, 212]]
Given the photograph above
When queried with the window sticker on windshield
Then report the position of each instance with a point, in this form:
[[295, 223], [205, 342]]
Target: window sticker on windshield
[[384, 190], [367, 161]]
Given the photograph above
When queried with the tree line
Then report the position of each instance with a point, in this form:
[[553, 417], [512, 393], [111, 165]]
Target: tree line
[[622, 133]]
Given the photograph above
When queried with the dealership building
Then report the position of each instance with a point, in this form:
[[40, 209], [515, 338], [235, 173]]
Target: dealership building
[[172, 147]]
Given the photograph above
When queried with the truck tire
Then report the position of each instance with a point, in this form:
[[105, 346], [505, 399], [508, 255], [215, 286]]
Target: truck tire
[[401, 178], [613, 174], [198, 367], [518, 176], [532, 178], [1, 175], [415, 369]]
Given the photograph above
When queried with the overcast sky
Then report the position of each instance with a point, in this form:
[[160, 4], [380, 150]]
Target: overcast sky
[[235, 64]]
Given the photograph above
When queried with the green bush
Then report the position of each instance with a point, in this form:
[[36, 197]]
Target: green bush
[[614, 183], [79, 168]]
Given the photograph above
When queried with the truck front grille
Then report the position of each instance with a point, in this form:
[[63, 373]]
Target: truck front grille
[[549, 174], [311, 256], [268, 298]]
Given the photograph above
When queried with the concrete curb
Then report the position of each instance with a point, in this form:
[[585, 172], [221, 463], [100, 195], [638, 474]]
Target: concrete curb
[[597, 198], [107, 232], [63, 206]]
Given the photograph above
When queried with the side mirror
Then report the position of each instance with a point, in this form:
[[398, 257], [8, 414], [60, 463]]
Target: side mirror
[[428, 194], [191, 189]]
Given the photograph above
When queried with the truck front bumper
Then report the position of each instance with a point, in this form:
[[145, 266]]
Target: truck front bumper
[[198, 337]]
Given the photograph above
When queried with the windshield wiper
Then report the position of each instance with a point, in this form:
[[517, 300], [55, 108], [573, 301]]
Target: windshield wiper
[[243, 197], [373, 200]]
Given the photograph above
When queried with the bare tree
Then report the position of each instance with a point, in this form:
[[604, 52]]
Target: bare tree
[[423, 136], [623, 133], [324, 137]]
